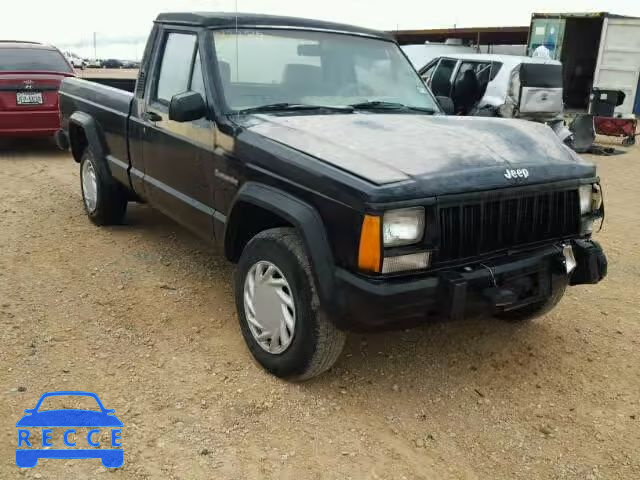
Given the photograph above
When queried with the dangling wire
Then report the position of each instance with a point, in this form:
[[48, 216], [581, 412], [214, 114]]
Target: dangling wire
[[493, 278]]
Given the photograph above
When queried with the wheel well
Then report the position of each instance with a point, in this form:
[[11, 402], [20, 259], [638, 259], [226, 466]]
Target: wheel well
[[78, 140], [246, 221]]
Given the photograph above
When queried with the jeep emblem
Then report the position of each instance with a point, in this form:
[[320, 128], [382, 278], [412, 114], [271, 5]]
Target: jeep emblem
[[511, 174]]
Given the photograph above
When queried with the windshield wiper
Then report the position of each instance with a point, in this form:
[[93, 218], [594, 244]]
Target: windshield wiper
[[276, 107], [380, 105]]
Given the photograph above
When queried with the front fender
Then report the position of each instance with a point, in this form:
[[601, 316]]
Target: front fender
[[307, 222]]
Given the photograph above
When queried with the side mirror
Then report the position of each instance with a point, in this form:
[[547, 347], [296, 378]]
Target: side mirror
[[446, 104], [187, 107]]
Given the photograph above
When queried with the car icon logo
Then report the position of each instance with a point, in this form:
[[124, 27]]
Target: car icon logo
[[28, 84], [28, 452]]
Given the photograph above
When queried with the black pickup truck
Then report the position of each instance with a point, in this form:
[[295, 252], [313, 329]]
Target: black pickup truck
[[316, 157]]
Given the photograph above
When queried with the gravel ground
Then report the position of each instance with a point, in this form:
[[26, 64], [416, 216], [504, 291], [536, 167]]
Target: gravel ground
[[143, 315]]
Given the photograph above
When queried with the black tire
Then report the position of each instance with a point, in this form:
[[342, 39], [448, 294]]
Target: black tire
[[316, 342], [534, 310], [111, 198]]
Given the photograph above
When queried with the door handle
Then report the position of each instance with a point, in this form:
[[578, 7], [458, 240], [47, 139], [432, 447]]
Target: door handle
[[151, 117]]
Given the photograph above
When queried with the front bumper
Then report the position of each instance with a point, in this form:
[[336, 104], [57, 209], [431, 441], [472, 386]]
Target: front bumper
[[508, 282]]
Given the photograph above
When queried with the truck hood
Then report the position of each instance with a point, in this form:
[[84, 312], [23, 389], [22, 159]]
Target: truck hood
[[444, 154]]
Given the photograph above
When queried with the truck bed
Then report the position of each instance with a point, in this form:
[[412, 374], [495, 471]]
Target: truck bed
[[126, 84], [109, 108], [104, 96]]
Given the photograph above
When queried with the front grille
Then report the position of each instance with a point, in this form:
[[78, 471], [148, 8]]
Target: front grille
[[480, 226]]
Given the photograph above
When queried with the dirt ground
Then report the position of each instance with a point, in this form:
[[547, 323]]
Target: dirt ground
[[143, 315]]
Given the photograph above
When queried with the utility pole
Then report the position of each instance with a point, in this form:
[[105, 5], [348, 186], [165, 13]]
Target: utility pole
[[95, 49]]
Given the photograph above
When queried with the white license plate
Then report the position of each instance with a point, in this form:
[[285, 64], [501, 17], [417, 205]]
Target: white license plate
[[29, 98]]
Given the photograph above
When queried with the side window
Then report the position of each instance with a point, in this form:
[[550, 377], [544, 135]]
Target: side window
[[197, 80], [427, 73], [470, 85], [480, 69], [495, 69], [483, 73], [175, 66], [441, 79]]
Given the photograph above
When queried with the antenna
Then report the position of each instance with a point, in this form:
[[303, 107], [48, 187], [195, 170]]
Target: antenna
[[237, 47]]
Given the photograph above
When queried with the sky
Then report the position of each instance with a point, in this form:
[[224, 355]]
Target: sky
[[121, 26]]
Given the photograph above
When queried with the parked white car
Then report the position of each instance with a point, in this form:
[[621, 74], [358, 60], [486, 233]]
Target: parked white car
[[512, 86], [75, 60], [421, 55], [94, 63], [507, 86]]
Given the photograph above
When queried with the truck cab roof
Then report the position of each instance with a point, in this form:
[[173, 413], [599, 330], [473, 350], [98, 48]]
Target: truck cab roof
[[222, 20]]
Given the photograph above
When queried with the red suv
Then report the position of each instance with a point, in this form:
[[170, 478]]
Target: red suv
[[30, 76]]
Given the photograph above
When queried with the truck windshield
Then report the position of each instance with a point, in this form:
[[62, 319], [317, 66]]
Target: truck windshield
[[32, 59], [270, 67]]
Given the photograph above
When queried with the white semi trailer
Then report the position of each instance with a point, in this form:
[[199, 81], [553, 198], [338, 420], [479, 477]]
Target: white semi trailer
[[598, 50]]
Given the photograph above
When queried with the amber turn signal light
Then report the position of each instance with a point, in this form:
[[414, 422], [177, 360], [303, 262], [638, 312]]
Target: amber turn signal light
[[369, 254]]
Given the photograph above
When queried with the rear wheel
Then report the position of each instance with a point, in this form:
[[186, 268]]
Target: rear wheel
[[279, 311], [534, 310], [105, 201]]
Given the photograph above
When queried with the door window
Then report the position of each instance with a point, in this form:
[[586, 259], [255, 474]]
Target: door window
[[470, 85], [481, 71], [427, 73], [441, 79], [175, 68]]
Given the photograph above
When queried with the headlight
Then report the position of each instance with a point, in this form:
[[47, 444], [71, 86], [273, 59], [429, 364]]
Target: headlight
[[403, 227], [590, 198]]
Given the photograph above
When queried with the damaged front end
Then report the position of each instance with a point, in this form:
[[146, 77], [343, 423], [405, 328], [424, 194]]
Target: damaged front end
[[535, 93]]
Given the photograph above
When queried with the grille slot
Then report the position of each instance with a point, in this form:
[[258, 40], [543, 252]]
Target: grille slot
[[480, 226]]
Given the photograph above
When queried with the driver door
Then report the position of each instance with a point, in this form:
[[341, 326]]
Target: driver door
[[178, 157]]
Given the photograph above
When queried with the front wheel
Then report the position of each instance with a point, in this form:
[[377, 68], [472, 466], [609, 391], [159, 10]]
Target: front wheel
[[534, 310], [279, 311], [105, 201]]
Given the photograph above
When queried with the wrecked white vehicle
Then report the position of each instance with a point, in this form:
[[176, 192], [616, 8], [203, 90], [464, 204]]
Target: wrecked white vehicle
[[507, 86]]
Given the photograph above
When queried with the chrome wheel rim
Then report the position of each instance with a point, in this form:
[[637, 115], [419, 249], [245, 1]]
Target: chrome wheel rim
[[269, 307], [89, 186]]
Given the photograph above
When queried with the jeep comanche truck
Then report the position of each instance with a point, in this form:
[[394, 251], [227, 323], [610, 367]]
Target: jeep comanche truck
[[319, 161]]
